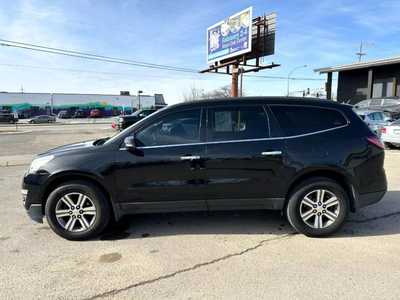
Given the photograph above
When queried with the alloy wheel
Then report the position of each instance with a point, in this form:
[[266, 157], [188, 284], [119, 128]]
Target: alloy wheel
[[75, 212], [319, 208]]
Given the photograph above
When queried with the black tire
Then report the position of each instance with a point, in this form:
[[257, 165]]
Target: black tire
[[97, 197], [389, 146], [293, 208]]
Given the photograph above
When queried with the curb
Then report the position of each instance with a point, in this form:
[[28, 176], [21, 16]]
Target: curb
[[14, 161]]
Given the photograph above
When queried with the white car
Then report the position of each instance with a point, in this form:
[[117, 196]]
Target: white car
[[390, 134]]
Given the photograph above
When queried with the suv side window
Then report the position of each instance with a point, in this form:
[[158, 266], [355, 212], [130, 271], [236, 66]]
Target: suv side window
[[297, 120], [237, 123], [176, 128]]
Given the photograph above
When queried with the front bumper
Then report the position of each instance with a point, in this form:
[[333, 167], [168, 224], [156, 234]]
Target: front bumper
[[32, 197]]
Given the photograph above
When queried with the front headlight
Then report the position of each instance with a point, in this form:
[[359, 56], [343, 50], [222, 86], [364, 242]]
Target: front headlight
[[39, 162]]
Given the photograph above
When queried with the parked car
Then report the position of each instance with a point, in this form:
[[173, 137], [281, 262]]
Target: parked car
[[125, 121], [374, 119], [95, 113], [7, 117], [79, 114], [377, 103], [42, 119], [390, 135], [64, 114], [390, 106], [314, 160]]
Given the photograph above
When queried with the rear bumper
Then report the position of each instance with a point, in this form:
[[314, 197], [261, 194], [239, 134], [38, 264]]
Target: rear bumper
[[367, 199]]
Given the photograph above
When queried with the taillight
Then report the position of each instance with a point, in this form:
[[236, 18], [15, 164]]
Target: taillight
[[383, 129], [374, 140]]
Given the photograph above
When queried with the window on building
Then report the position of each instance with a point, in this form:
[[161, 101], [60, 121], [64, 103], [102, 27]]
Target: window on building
[[389, 89], [382, 88], [377, 91]]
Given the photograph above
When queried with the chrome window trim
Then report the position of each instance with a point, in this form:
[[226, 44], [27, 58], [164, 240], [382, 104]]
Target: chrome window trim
[[244, 140]]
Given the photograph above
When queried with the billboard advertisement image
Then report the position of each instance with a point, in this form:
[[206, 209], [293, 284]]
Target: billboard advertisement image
[[230, 37]]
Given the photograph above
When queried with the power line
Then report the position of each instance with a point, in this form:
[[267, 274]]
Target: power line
[[89, 56], [109, 59], [285, 78], [141, 63], [93, 71], [142, 75]]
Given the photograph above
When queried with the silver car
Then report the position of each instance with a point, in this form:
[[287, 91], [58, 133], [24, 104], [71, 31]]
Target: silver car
[[375, 119], [377, 103], [42, 119]]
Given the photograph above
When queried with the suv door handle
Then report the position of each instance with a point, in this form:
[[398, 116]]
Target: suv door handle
[[190, 157], [271, 153]]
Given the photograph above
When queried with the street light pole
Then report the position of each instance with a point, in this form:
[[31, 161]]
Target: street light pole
[[290, 74], [139, 92]]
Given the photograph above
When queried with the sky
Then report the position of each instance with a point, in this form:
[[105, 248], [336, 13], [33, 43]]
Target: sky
[[316, 33]]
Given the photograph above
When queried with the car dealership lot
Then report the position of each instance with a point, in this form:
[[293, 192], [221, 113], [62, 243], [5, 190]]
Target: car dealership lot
[[192, 255]]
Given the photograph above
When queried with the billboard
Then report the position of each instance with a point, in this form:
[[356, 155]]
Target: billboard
[[230, 37]]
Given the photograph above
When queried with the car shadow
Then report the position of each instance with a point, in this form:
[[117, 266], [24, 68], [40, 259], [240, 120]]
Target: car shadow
[[382, 218]]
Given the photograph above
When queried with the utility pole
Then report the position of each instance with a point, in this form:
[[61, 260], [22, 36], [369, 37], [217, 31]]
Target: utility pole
[[360, 53], [51, 104]]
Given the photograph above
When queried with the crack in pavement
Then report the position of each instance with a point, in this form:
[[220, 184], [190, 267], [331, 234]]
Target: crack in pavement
[[216, 260], [374, 218], [189, 269]]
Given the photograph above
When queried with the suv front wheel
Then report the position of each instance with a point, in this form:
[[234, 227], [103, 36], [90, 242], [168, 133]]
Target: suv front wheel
[[317, 207], [77, 210]]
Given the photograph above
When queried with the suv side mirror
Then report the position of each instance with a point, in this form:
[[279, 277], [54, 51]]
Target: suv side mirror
[[129, 142]]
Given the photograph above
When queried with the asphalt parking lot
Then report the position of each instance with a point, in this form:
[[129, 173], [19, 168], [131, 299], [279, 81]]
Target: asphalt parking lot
[[240, 255]]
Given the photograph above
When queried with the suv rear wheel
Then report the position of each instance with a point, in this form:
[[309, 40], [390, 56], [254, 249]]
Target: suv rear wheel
[[317, 207], [77, 210]]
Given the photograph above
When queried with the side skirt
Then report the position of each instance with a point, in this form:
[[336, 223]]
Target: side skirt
[[200, 205]]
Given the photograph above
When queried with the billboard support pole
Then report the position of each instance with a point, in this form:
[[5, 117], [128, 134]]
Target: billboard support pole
[[241, 82], [235, 80]]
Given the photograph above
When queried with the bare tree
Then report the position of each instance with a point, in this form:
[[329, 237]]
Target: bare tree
[[193, 94], [222, 92], [199, 94]]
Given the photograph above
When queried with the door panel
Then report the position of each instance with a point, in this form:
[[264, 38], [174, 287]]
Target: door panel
[[243, 165], [161, 174], [241, 174], [166, 171]]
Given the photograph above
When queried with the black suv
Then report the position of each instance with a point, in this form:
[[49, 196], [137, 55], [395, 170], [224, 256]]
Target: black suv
[[7, 117], [126, 121], [314, 160]]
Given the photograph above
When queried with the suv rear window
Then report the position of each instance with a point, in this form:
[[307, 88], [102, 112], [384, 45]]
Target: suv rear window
[[296, 120]]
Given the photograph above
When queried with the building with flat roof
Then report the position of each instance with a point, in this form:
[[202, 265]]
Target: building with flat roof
[[38, 103], [364, 80]]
